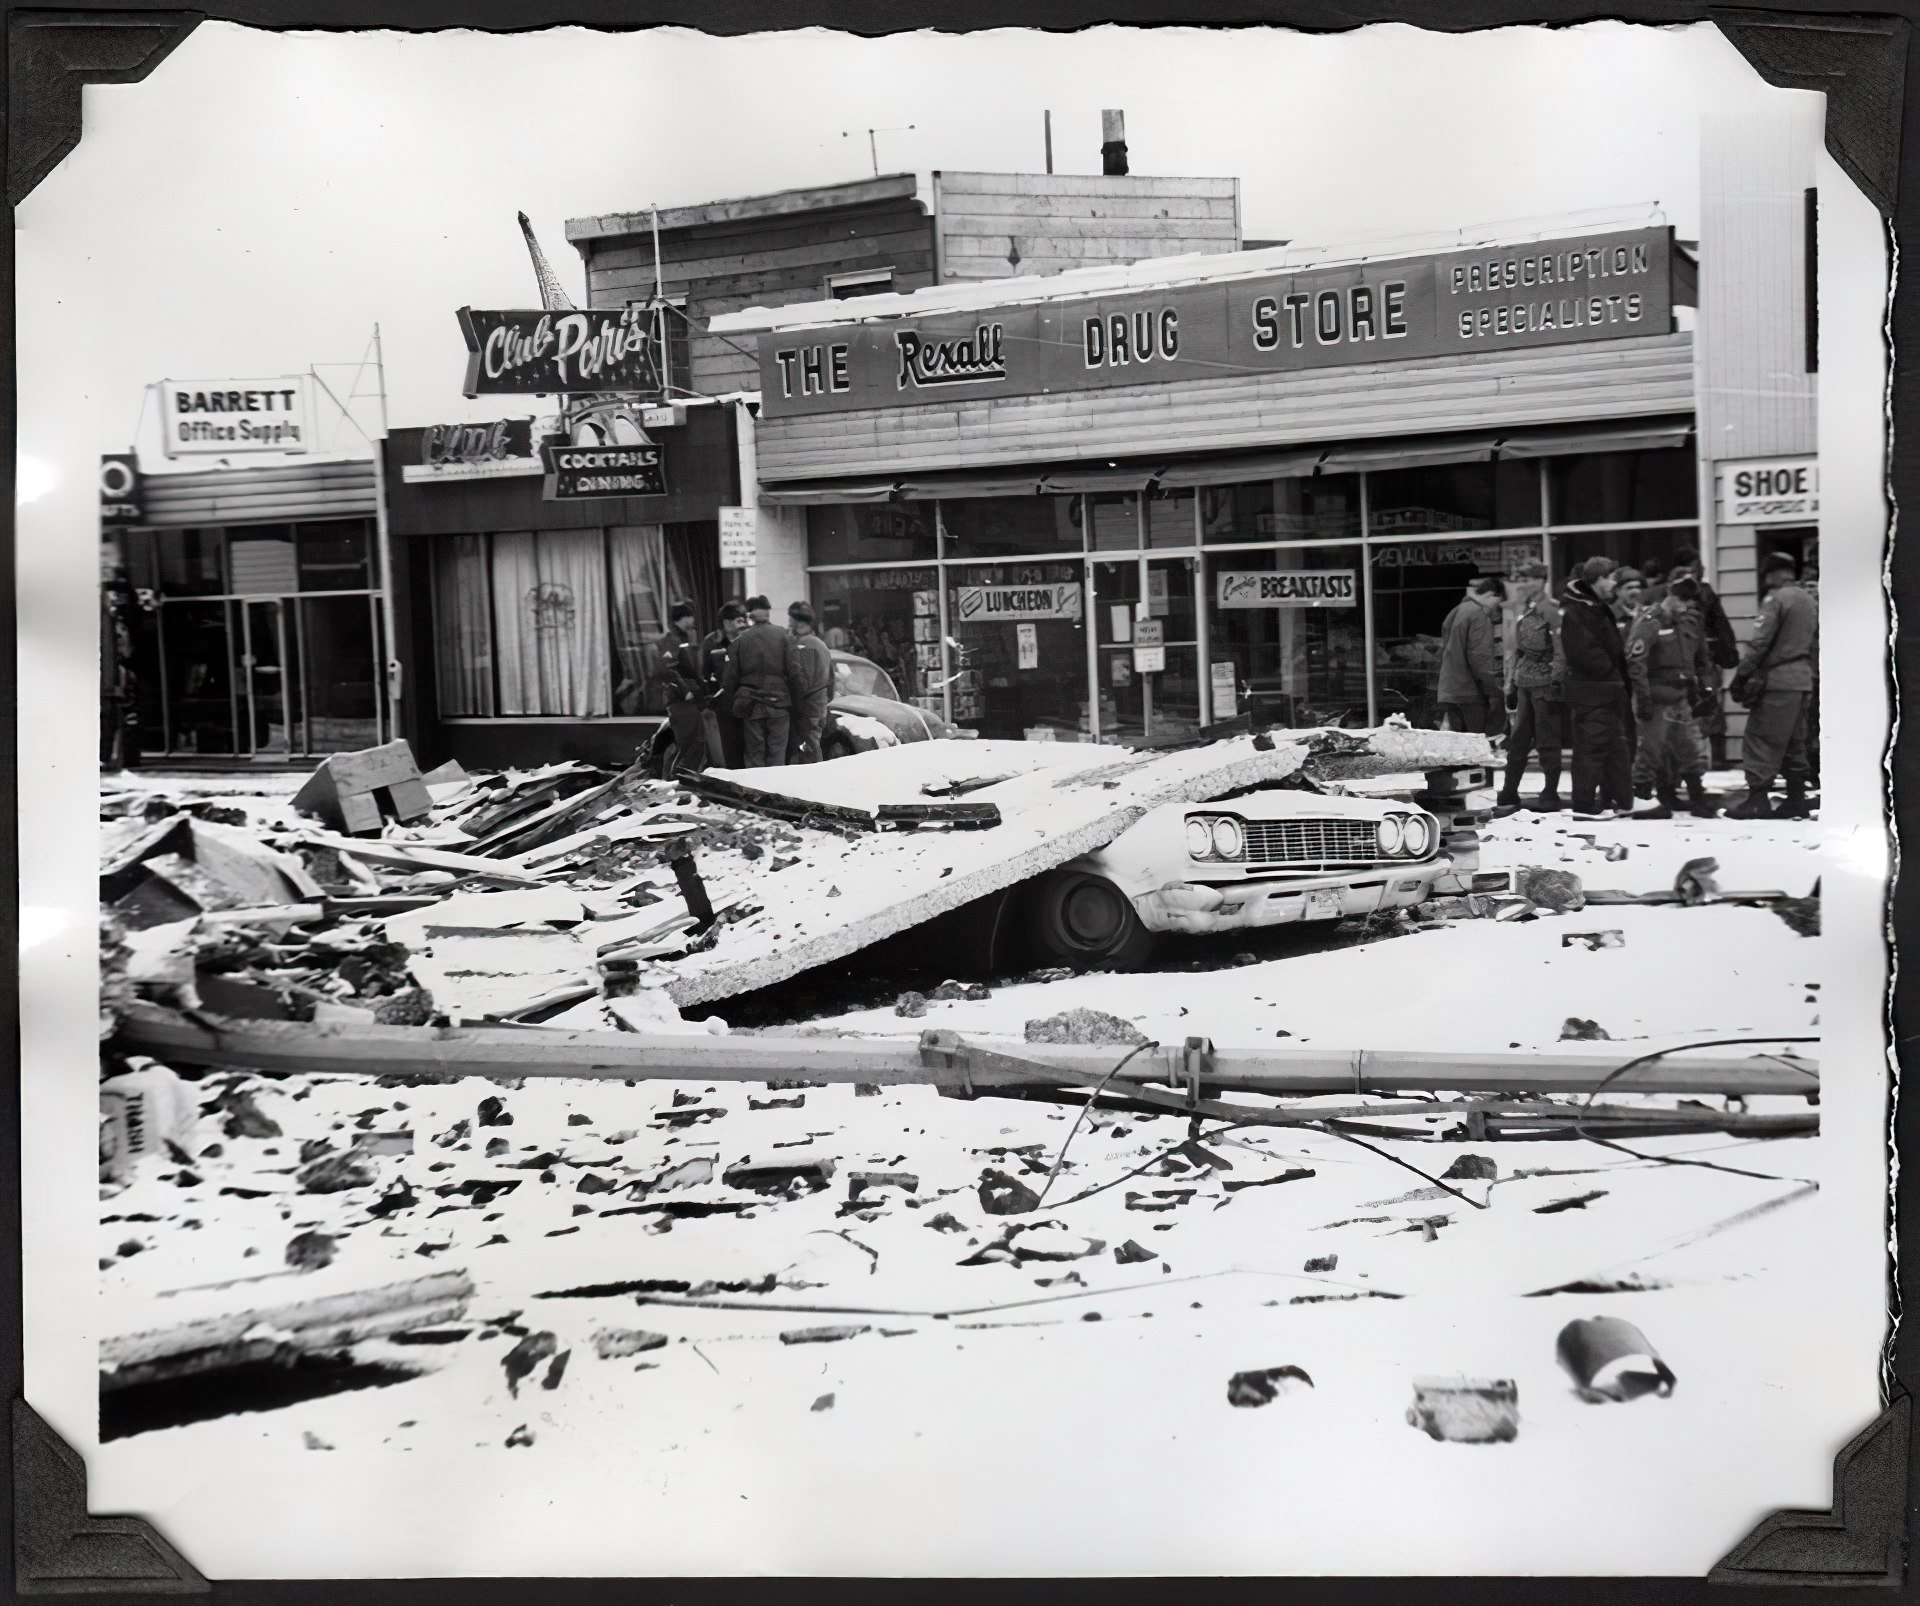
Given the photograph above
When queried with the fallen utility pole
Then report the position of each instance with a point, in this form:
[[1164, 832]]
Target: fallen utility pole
[[940, 1059]]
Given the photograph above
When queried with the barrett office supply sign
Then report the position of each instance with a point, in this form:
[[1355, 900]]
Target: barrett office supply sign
[[1589, 287], [231, 417], [577, 472], [619, 349]]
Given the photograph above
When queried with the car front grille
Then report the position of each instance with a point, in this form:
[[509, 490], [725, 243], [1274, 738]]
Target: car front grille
[[1310, 842]]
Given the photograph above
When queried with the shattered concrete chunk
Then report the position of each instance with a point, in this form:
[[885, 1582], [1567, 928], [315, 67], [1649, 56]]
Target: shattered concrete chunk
[[823, 1403], [336, 1173], [1583, 1031], [911, 1005], [1471, 1168], [520, 1437], [309, 1251], [245, 1118], [1133, 1254], [520, 1361], [492, 1112], [613, 1343], [1466, 1410], [859, 1181], [1252, 1389], [807, 1176], [1550, 889], [1002, 1195], [1322, 1263], [1085, 1026]]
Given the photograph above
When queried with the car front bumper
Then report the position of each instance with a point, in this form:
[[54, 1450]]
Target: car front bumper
[[1196, 907]]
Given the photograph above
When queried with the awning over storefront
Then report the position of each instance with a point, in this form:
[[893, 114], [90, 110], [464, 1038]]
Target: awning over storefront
[[1236, 470], [1381, 455], [1092, 481], [829, 495], [1645, 436], [273, 495]]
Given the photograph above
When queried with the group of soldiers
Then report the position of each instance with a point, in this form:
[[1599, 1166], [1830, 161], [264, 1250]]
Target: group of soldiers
[[1625, 668], [749, 693]]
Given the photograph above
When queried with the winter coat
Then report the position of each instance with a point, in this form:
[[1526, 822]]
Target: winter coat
[[760, 669], [1537, 662], [1590, 641], [1666, 661], [676, 666], [1469, 666], [812, 677], [1785, 641]]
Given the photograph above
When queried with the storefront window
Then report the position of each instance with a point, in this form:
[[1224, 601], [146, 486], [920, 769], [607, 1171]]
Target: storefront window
[[1139, 704], [1453, 497], [1020, 648], [333, 556], [1116, 521], [1298, 509], [1649, 551], [1287, 631], [1415, 586], [1170, 518], [1009, 526], [337, 639], [871, 532], [1623, 487], [890, 617], [190, 562]]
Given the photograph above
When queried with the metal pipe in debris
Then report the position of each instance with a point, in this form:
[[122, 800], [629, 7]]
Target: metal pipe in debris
[[956, 1065]]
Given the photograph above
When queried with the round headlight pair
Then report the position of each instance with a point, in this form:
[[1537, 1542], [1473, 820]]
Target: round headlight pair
[[1407, 835], [1215, 836]]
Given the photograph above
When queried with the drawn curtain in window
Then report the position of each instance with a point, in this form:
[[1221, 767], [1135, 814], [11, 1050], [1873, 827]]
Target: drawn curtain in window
[[463, 635], [515, 587], [568, 618], [639, 566]]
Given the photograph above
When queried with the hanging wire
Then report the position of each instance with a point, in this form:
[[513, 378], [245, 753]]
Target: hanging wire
[[1061, 1158]]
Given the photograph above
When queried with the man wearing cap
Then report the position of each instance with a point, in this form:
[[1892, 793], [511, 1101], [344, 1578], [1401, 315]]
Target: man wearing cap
[[1629, 591], [1666, 657], [1775, 681], [757, 686], [1536, 693], [1469, 693], [725, 736], [1723, 648], [1597, 706], [812, 683], [677, 673]]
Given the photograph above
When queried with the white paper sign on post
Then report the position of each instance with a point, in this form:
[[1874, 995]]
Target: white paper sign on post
[[739, 538]]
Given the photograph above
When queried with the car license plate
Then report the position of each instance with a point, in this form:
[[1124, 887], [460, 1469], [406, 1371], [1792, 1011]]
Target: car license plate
[[1326, 904]]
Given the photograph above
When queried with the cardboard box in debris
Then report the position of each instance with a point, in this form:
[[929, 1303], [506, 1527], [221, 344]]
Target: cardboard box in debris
[[575, 898]]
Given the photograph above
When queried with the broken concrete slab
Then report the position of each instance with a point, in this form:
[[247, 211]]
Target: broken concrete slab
[[1466, 1410]]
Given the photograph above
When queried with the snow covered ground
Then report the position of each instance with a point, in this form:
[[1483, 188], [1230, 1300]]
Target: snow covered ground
[[982, 1377]]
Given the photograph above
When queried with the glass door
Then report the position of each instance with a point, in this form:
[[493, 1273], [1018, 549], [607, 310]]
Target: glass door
[[268, 693]]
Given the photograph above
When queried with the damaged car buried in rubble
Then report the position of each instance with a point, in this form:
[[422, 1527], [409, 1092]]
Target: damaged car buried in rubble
[[865, 712], [1266, 857]]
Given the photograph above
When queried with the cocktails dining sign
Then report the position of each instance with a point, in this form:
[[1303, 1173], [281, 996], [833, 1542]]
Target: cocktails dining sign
[[612, 349]]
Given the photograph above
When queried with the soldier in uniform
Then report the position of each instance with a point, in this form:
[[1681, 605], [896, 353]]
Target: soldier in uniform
[[1536, 692], [812, 683], [725, 738], [1775, 680], [757, 685], [1666, 657], [1723, 648], [677, 672]]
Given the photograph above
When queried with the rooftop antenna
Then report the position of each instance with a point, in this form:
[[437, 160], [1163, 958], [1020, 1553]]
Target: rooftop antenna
[[873, 144]]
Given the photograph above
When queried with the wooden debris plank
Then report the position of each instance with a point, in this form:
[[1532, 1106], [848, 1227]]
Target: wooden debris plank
[[418, 856]]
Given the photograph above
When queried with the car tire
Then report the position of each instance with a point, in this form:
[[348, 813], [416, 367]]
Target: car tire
[[1086, 921], [837, 746]]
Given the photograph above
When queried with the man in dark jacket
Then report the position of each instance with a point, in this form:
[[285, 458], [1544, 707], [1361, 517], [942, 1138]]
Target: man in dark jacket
[[1775, 679], [676, 668], [812, 683], [1469, 693], [759, 675], [1665, 656], [1597, 705], [1723, 649], [726, 738]]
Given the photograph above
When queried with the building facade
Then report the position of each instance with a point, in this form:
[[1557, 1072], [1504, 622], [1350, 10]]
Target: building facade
[[1124, 503]]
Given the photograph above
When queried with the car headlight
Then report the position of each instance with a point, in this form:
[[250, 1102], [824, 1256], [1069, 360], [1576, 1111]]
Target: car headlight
[[1229, 841], [1199, 838], [1419, 836], [1390, 832]]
